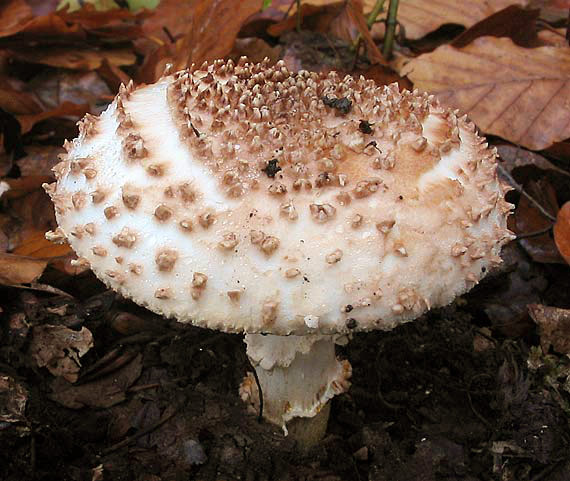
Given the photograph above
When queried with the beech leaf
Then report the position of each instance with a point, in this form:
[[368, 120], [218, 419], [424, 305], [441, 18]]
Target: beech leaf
[[517, 93], [420, 17], [562, 231]]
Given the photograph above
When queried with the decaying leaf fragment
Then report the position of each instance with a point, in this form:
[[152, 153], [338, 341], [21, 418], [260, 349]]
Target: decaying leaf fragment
[[59, 349], [420, 17], [554, 324], [19, 269], [517, 93], [562, 232]]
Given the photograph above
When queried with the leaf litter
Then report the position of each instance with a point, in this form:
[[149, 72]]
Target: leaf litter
[[94, 387]]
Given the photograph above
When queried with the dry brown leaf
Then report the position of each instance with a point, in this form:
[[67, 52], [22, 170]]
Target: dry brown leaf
[[513, 157], [212, 29], [14, 397], [36, 245], [59, 349], [522, 95], [103, 393], [66, 109], [420, 17], [78, 59], [554, 324], [562, 231], [20, 270]]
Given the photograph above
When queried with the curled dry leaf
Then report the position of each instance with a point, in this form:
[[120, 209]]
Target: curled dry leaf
[[554, 324], [562, 231], [420, 17], [513, 157], [20, 270], [13, 398], [59, 349], [517, 93], [101, 393]]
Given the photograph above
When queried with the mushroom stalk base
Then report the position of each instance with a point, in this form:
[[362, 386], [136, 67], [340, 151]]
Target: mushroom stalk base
[[298, 375]]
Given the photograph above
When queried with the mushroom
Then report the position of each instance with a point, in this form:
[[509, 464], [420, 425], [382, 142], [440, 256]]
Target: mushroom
[[296, 208]]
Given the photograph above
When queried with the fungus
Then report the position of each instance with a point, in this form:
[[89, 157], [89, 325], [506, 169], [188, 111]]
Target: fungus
[[423, 219]]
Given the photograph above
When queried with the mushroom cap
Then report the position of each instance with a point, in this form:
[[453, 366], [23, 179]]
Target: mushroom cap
[[244, 197]]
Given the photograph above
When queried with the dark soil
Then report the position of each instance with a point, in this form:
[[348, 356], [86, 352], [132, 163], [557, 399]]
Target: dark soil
[[448, 397]]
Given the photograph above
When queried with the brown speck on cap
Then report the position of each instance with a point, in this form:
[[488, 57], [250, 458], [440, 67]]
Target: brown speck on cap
[[165, 259], [385, 226], [111, 212], [90, 228], [234, 295], [269, 244], [288, 210], [130, 196], [269, 312], [97, 196], [162, 212], [133, 147], [79, 199], [116, 276], [135, 269], [126, 238], [292, 272], [206, 219], [163, 293], [322, 212], [229, 241], [156, 170], [99, 251], [186, 224], [334, 257], [364, 188], [199, 280]]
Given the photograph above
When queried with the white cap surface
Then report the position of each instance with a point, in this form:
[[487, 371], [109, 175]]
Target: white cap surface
[[248, 198]]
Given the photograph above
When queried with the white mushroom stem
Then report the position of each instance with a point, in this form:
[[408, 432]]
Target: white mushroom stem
[[298, 375]]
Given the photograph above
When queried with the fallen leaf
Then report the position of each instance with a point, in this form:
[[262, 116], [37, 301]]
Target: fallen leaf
[[36, 245], [78, 59], [59, 349], [420, 17], [519, 94], [14, 14], [514, 22], [20, 270], [529, 220], [66, 109], [13, 398], [101, 393], [212, 30], [554, 324], [513, 157], [39, 160], [562, 231], [17, 101]]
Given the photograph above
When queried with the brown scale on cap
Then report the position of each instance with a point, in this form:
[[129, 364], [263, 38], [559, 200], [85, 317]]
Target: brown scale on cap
[[165, 259], [126, 238]]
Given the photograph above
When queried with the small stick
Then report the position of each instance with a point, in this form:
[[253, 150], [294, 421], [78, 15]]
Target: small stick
[[390, 29], [519, 189]]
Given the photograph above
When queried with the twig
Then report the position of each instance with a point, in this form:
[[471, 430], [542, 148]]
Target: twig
[[390, 29], [168, 414], [370, 20], [519, 189], [479, 415], [298, 15], [536, 233]]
